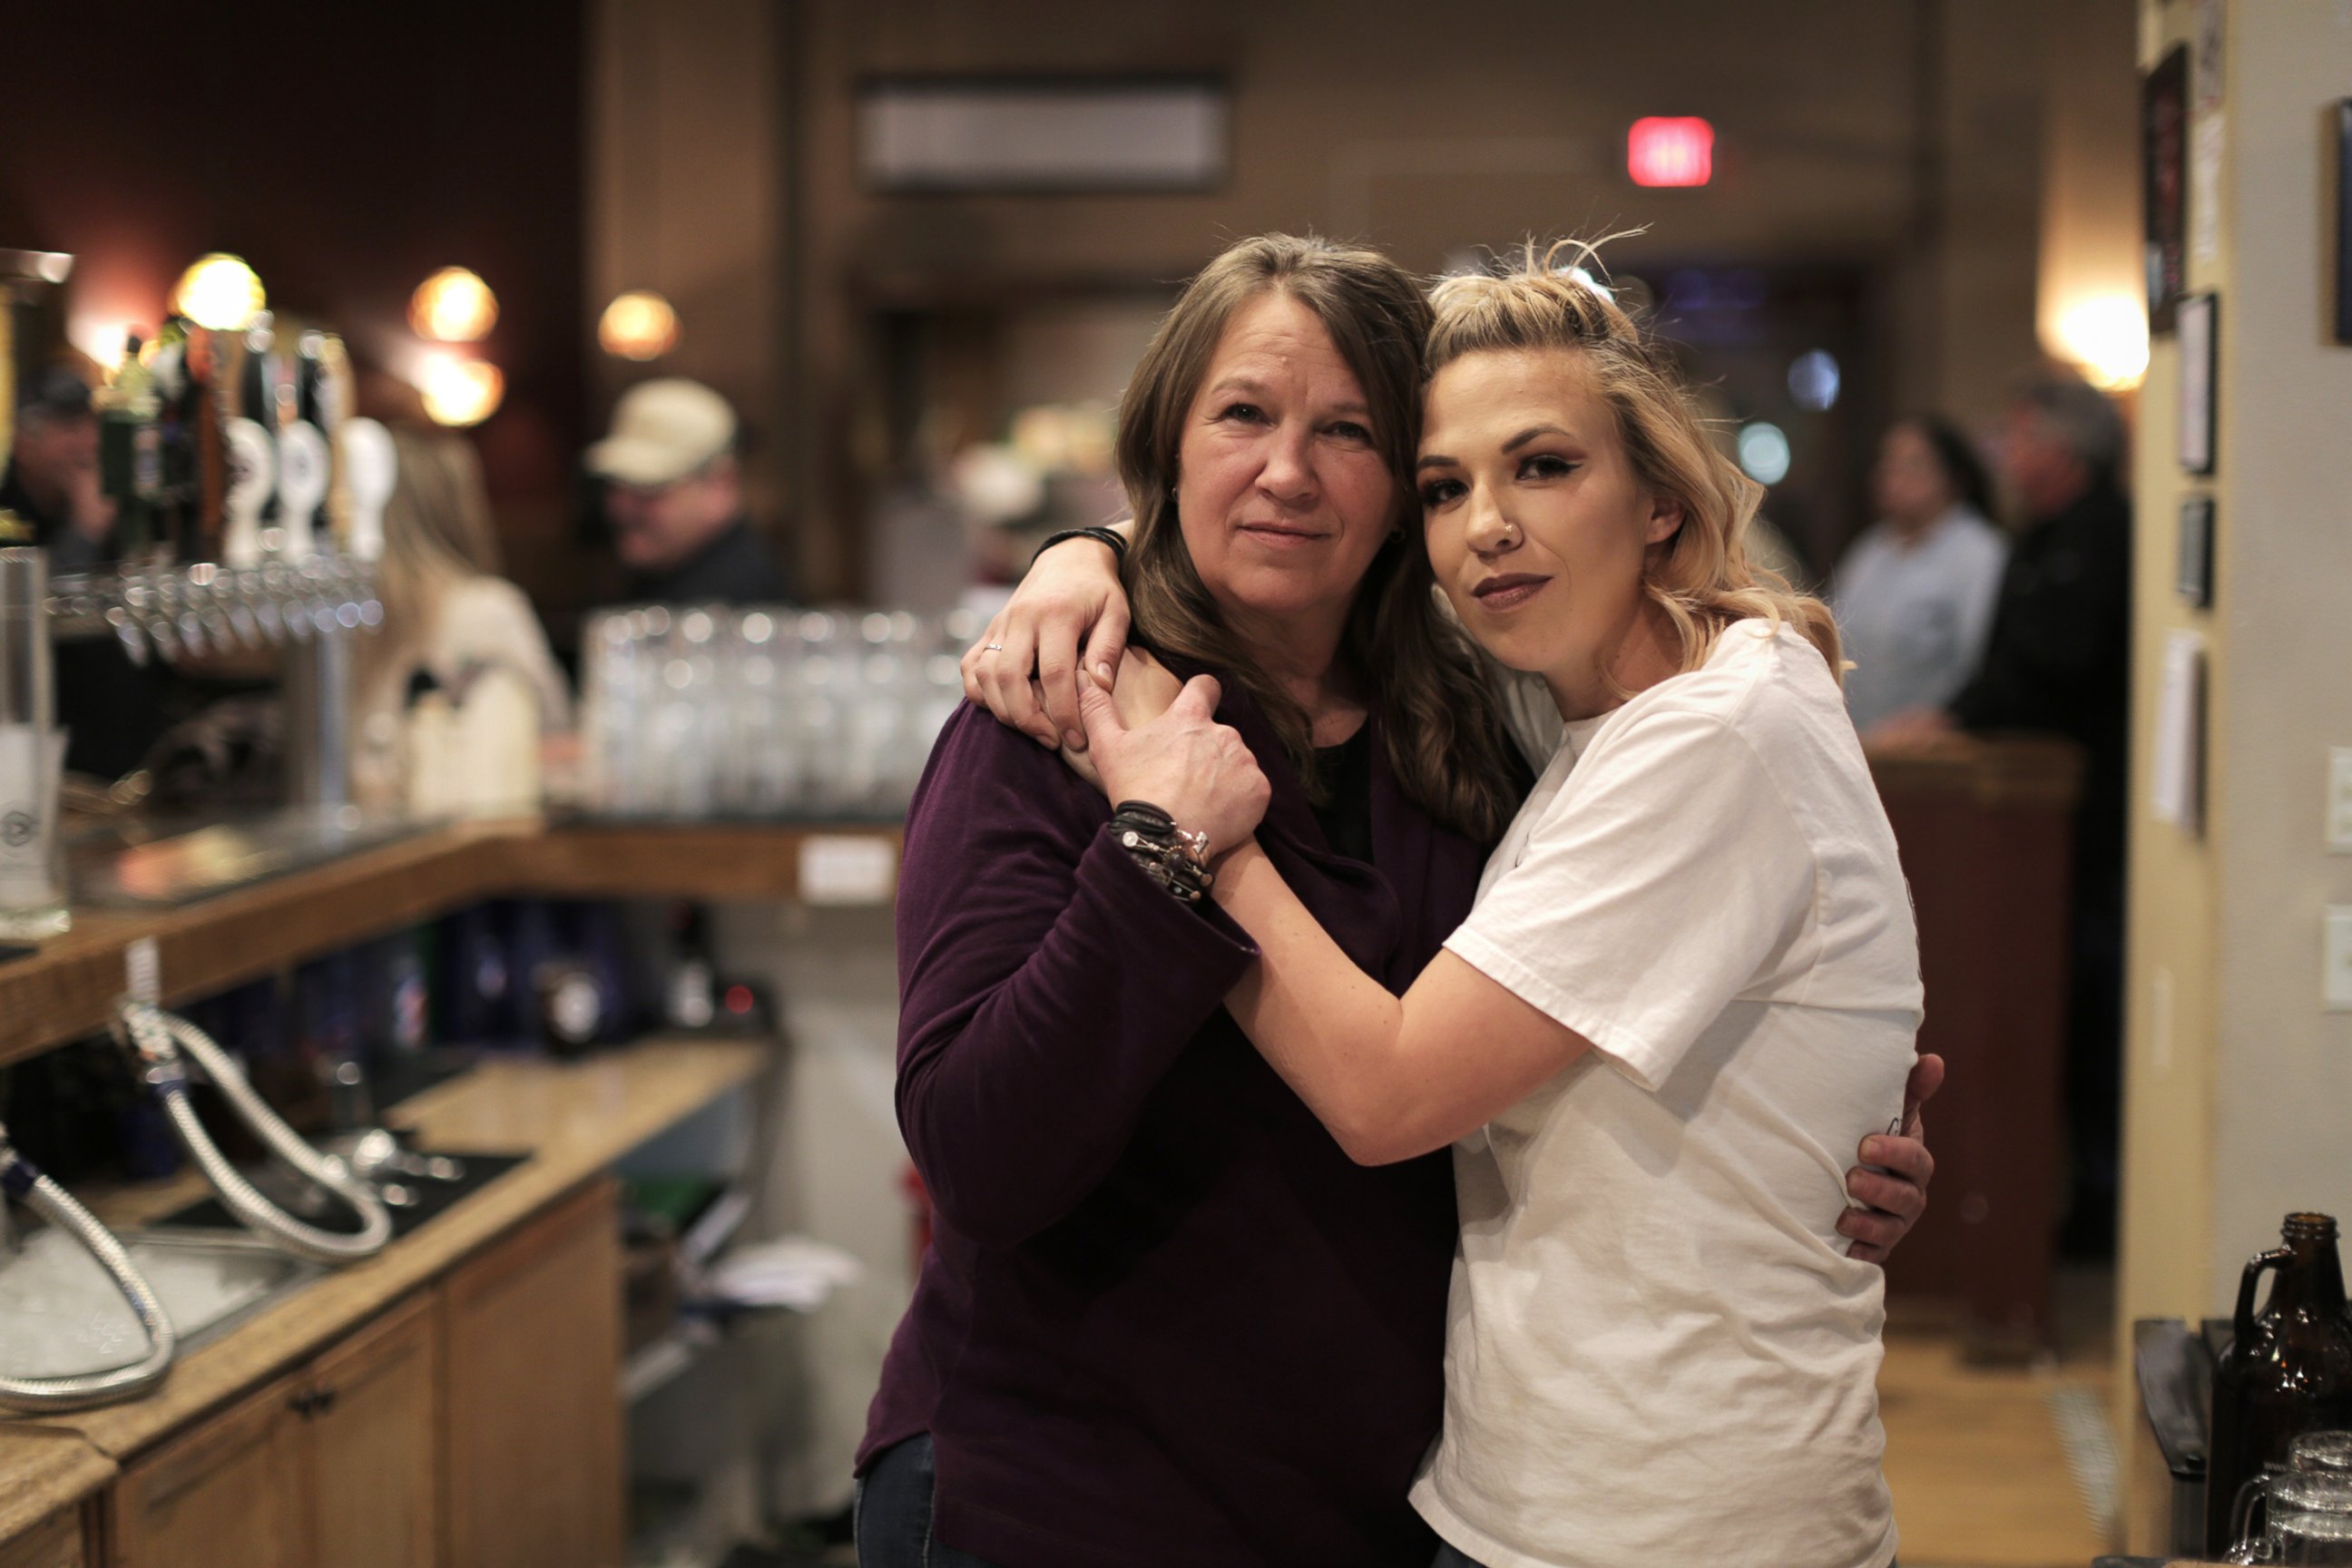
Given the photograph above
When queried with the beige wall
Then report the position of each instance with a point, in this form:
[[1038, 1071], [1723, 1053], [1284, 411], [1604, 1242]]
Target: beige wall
[[2239, 1086]]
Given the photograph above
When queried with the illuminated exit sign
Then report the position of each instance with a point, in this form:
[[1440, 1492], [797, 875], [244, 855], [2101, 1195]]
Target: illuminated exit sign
[[1676, 150]]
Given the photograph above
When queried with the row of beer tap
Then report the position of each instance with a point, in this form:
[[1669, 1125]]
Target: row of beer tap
[[248, 500]]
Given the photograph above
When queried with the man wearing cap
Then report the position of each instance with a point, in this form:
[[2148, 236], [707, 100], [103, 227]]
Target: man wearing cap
[[52, 482], [673, 494]]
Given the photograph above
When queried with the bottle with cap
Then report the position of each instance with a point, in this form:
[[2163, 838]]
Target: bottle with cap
[[2287, 1370], [130, 452]]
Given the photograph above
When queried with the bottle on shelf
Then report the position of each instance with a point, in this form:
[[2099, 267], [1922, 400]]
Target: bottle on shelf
[[476, 987], [326, 993], [179, 398], [690, 982], [130, 453]]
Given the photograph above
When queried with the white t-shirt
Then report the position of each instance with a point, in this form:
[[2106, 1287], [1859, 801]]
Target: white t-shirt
[[1657, 1349], [1914, 615]]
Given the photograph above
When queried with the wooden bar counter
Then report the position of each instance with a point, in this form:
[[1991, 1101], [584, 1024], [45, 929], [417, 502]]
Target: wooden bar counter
[[1985, 828], [453, 1401], [67, 989]]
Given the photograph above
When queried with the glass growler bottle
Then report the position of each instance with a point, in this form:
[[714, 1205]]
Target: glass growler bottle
[[2285, 1370]]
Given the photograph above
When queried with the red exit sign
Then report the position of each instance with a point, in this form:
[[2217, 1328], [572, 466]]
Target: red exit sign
[[1670, 151]]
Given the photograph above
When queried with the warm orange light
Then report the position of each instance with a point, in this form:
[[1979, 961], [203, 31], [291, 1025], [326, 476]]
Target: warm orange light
[[2106, 336], [638, 325], [1670, 151], [219, 292], [453, 306], [460, 391]]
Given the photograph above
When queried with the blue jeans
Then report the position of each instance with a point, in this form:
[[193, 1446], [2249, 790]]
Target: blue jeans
[[894, 1512]]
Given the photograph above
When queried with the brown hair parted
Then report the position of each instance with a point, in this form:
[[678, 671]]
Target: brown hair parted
[[1438, 726], [1701, 577]]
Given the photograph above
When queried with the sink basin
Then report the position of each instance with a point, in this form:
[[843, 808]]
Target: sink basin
[[60, 1313]]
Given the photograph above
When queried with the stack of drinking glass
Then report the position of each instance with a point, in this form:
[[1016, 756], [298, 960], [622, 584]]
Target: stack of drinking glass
[[696, 712]]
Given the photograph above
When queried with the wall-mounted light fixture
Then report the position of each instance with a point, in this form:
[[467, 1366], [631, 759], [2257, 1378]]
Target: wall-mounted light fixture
[[460, 391], [2105, 336], [453, 306], [639, 325], [219, 293]]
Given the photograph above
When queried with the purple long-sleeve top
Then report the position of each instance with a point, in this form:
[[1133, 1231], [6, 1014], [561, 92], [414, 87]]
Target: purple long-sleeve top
[[1164, 1319]]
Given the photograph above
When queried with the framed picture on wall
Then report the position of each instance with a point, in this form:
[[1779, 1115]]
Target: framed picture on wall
[[2343, 128], [2199, 323], [2192, 569], [2163, 179]]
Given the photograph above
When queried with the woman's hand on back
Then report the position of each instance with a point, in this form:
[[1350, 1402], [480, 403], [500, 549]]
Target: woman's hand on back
[[1191, 767], [1891, 1183], [1068, 618]]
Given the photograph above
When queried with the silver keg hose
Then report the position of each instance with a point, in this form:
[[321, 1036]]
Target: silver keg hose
[[20, 1179], [156, 1038]]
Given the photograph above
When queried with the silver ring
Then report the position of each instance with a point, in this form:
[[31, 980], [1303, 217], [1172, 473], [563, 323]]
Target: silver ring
[[992, 648]]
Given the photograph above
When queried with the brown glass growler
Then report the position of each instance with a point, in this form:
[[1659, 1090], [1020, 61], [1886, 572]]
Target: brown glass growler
[[2284, 1371]]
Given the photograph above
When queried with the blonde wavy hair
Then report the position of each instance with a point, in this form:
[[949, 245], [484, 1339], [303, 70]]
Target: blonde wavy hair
[[1701, 577]]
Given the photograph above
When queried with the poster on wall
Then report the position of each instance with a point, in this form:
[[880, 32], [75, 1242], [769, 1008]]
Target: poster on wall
[[2193, 560], [2344, 220], [2163, 183], [2177, 779], [2209, 56], [2200, 330]]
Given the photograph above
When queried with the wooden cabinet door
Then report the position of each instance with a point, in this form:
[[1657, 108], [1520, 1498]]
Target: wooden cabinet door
[[229, 1494], [55, 1543], [371, 1415], [530, 1370]]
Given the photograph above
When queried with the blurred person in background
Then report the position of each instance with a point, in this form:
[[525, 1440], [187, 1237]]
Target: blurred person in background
[[2058, 661], [1915, 595], [447, 612], [674, 497], [51, 480]]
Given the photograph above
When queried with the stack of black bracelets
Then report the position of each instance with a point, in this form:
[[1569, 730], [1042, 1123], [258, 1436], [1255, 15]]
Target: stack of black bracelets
[[1177, 860]]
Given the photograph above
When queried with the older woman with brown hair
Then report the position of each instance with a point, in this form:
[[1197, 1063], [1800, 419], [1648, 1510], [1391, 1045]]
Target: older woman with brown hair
[[1166, 1317]]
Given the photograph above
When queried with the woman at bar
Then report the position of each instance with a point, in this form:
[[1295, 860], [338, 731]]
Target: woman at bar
[[1165, 1318], [1914, 593], [447, 612], [1691, 977]]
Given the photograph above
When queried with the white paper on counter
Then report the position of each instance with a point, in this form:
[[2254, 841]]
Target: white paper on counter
[[2176, 791]]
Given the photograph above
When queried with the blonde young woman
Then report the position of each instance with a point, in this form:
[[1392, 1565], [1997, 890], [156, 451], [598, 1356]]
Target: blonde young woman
[[1689, 983], [447, 610]]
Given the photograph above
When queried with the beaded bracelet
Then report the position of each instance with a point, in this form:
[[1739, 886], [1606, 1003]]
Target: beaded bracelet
[[1100, 534], [1175, 860]]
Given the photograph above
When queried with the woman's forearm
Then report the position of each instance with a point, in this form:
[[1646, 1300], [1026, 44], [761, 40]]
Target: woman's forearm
[[1326, 1026], [1389, 1077]]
